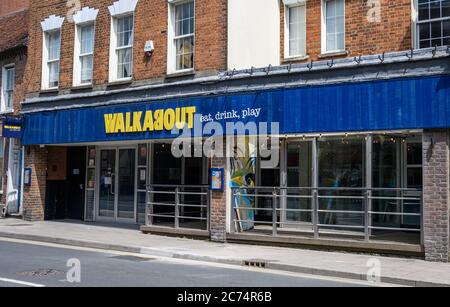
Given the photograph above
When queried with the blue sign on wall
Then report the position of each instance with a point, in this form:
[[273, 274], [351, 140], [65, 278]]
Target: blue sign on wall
[[12, 127], [413, 103]]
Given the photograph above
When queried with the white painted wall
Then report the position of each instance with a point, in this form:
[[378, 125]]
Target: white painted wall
[[253, 33]]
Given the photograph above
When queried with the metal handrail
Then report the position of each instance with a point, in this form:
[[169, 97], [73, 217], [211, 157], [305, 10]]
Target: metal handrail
[[318, 196], [178, 203]]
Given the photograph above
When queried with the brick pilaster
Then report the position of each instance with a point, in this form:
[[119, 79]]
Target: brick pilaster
[[436, 194], [34, 195], [218, 207]]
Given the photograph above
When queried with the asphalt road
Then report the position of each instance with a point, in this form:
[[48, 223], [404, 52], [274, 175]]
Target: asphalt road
[[23, 264]]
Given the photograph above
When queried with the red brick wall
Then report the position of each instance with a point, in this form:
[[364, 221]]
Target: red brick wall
[[362, 37], [150, 24], [34, 195], [9, 6]]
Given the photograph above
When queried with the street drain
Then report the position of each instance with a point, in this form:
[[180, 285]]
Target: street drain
[[133, 258], [256, 263], [41, 273]]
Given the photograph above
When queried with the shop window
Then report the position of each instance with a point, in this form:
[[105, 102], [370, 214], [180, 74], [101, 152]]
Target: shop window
[[333, 26], [181, 36], [299, 174], [7, 94], [341, 164], [295, 29], [433, 23]]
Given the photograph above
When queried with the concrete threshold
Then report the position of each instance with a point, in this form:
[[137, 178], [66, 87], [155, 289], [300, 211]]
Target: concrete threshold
[[214, 259]]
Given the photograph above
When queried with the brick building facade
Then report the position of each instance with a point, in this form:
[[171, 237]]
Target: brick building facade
[[13, 59], [364, 105]]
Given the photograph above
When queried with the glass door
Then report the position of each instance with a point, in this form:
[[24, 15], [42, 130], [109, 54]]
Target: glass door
[[117, 193], [126, 184], [106, 204]]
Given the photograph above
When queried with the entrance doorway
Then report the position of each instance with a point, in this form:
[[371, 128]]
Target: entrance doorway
[[117, 182]]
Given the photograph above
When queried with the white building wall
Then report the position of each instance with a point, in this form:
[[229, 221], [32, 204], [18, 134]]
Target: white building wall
[[253, 33]]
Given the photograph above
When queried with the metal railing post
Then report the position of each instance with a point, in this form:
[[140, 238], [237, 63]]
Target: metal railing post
[[274, 213], [366, 216], [315, 213], [177, 208]]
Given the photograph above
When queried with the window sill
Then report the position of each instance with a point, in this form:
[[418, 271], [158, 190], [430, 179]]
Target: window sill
[[295, 58], [333, 54], [181, 73], [49, 90], [81, 87], [126, 81]]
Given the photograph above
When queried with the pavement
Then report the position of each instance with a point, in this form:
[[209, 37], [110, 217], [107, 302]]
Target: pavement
[[393, 270], [51, 265]]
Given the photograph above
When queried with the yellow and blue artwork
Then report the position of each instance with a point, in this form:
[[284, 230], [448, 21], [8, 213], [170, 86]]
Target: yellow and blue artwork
[[243, 166]]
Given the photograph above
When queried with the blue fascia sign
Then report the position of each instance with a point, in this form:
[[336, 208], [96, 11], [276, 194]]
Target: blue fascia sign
[[407, 103]]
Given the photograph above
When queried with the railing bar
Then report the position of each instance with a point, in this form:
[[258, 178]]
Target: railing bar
[[161, 204], [394, 213], [394, 198], [395, 229], [192, 218], [340, 226], [341, 211]]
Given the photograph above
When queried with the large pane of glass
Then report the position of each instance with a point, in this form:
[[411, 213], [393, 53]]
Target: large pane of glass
[[126, 181], [342, 175], [166, 171], [107, 183], [299, 175], [386, 175]]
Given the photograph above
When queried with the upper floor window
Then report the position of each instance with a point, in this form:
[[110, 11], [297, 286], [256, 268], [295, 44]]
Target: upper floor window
[[8, 75], [182, 36], [433, 23], [51, 51], [333, 26], [122, 33], [84, 46], [295, 28], [124, 48], [53, 41]]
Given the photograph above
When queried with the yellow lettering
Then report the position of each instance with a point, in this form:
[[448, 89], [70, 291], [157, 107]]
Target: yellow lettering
[[190, 111], [110, 122], [159, 120], [148, 121], [169, 119], [137, 127], [128, 126], [120, 125], [180, 118]]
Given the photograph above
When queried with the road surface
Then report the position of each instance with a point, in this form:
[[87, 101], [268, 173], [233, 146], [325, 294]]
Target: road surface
[[31, 265]]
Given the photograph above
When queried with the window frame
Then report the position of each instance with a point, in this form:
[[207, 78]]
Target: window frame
[[324, 46], [114, 48], [416, 23], [78, 63], [172, 38], [46, 59], [287, 40], [4, 88]]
